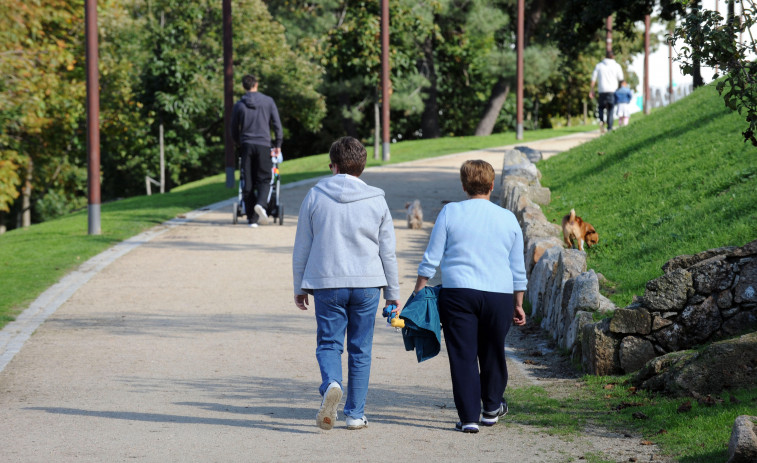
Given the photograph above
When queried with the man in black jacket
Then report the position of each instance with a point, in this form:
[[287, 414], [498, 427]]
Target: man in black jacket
[[252, 118]]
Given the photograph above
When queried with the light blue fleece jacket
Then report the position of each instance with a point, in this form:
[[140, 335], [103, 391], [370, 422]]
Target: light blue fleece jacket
[[345, 239], [477, 245]]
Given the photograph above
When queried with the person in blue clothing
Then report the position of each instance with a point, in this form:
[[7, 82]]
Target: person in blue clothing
[[344, 253], [479, 249], [252, 118], [623, 97]]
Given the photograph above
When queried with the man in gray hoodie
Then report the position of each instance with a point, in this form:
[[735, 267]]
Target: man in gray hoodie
[[343, 255], [251, 120]]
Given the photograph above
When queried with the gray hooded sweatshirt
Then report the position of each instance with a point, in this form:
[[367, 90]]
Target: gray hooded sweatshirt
[[345, 239]]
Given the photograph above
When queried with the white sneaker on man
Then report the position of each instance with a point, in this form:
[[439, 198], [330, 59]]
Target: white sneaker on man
[[262, 215], [326, 416]]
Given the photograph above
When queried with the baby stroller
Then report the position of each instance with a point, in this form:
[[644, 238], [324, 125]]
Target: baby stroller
[[274, 209]]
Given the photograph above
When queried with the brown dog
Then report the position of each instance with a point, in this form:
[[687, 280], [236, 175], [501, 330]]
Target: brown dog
[[575, 228], [414, 215]]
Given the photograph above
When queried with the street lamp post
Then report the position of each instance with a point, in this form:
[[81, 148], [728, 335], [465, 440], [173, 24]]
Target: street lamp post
[[385, 84], [519, 74], [93, 118]]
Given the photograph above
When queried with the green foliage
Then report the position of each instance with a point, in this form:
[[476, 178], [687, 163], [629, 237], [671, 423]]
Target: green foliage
[[675, 182], [712, 41]]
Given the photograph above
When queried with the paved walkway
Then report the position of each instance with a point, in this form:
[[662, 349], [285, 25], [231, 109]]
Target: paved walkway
[[184, 344]]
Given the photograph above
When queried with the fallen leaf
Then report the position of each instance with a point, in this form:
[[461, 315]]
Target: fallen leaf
[[684, 407], [609, 386], [530, 362], [632, 390], [661, 431], [640, 415], [647, 442]]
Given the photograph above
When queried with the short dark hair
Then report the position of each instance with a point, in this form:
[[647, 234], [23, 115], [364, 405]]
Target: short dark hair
[[249, 81], [477, 177], [609, 54], [349, 155]]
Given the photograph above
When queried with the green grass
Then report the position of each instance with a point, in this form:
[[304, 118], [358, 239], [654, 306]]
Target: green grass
[[33, 259], [699, 435], [678, 181]]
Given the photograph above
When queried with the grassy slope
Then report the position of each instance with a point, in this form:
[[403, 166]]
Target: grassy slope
[[33, 259], [676, 182]]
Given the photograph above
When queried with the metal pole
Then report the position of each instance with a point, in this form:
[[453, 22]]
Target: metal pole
[[385, 84], [376, 130], [646, 64], [228, 93], [670, 70], [608, 36], [93, 118], [162, 162], [519, 74]]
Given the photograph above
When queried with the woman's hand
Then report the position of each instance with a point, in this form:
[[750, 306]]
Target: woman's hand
[[519, 316]]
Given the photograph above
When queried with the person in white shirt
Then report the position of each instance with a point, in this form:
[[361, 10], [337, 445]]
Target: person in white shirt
[[607, 74]]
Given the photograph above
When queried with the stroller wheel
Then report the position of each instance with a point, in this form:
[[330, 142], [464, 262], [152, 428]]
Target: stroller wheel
[[281, 215], [234, 212]]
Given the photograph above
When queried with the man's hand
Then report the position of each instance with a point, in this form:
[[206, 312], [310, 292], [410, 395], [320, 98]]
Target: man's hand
[[275, 152], [301, 301]]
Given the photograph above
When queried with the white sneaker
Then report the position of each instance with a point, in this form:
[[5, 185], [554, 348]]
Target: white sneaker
[[326, 416], [253, 225], [260, 210], [357, 423]]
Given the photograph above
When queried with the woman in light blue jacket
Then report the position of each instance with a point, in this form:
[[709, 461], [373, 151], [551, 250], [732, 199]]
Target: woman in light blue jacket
[[343, 255], [479, 248]]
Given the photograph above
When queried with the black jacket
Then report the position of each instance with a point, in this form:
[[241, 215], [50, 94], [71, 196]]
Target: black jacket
[[252, 119]]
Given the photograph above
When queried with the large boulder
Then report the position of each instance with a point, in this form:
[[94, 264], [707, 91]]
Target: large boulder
[[570, 264], [538, 279], [746, 288], [700, 321], [729, 364], [517, 164], [532, 154], [600, 349], [585, 293], [536, 249], [634, 352], [669, 292], [711, 275], [631, 320], [742, 448]]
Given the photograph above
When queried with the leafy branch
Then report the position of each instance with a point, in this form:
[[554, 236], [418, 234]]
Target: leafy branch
[[713, 42]]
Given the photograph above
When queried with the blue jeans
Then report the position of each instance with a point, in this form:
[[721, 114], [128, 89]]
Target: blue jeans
[[352, 311]]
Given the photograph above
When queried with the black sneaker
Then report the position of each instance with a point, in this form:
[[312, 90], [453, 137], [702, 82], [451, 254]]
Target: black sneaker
[[491, 418], [470, 428]]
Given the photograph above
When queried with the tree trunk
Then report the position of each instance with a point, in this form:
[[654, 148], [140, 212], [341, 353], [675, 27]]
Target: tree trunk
[[25, 215], [430, 116], [696, 65], [347, 124], [493, 107]]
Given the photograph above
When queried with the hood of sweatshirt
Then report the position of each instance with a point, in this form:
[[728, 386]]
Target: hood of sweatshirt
[[346, 188], [249, 99]]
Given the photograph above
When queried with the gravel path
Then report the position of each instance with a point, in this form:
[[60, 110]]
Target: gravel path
[[186, 346]]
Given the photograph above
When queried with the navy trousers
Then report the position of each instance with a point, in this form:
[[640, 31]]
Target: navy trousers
[[475, 325]]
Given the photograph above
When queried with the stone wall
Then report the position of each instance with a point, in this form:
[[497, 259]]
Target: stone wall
[[698, 299]]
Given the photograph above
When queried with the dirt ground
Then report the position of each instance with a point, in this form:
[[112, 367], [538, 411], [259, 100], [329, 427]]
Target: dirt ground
[[188, 347]]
